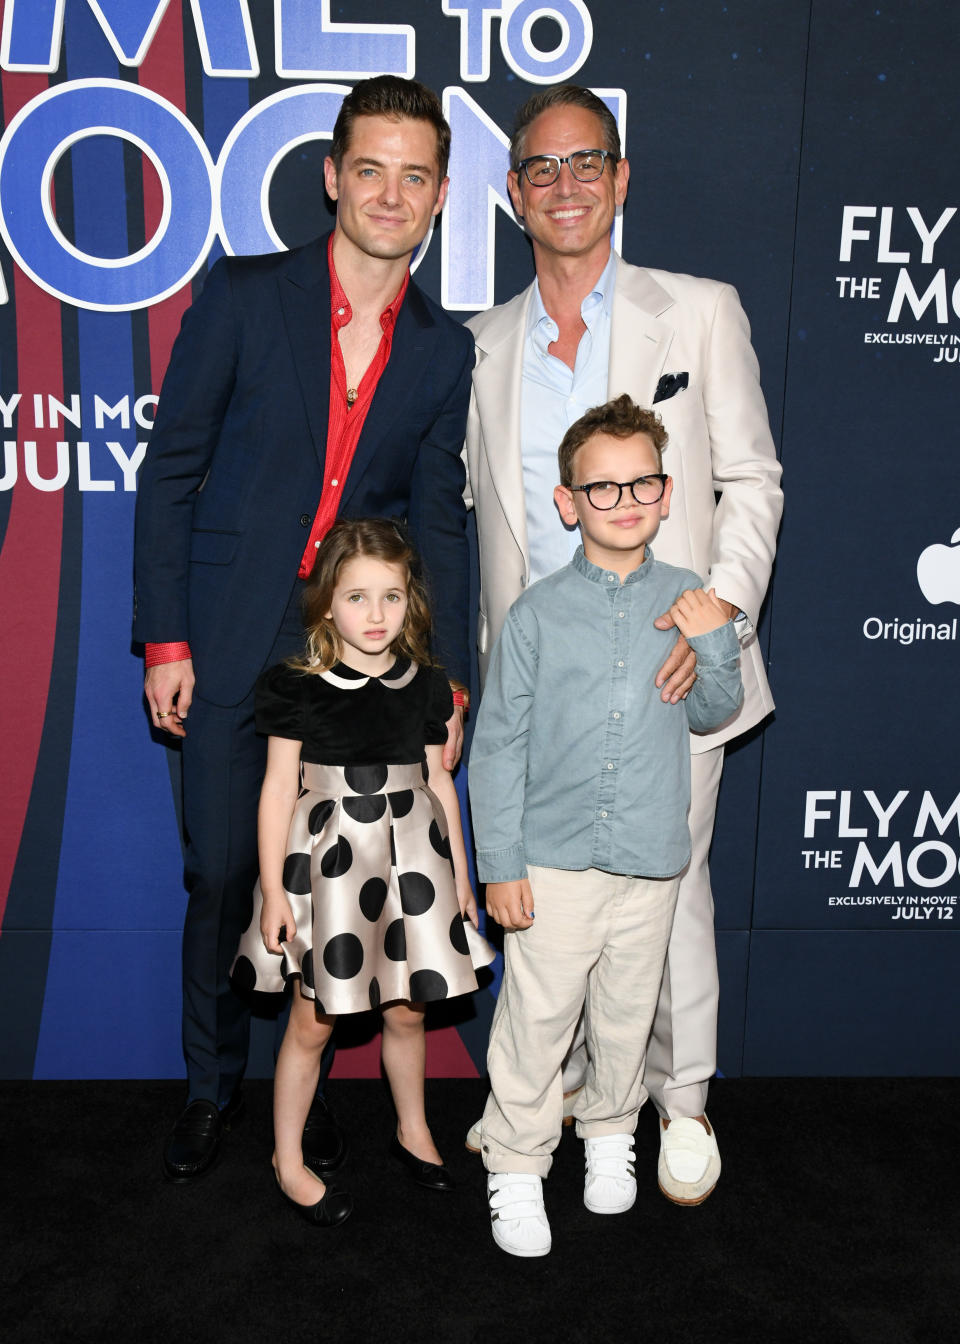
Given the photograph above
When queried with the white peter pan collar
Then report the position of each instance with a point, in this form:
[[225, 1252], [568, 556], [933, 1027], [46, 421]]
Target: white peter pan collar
[[394, 679]]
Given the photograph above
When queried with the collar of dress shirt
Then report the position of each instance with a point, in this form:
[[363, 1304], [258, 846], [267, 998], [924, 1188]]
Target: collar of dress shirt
[[340, 310], [541, 327], [603, 576]]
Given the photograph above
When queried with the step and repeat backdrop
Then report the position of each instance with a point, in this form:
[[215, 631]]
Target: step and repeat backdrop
[[805, 152]]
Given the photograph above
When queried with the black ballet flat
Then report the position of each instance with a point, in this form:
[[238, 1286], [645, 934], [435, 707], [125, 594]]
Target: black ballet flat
[[324, 1143], [335, 1207], [431, 1175]]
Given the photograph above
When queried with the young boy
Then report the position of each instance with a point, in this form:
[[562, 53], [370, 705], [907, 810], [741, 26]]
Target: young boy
[[579, 785]]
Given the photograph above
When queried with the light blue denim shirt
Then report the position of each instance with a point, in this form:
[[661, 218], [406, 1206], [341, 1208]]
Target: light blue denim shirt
[[576, 761], [554, 396]]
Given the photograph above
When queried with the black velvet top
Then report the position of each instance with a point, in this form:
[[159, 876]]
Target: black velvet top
[[344, 718]]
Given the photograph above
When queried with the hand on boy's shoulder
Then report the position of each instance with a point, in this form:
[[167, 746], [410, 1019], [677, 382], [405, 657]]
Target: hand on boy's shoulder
[[696, 612]]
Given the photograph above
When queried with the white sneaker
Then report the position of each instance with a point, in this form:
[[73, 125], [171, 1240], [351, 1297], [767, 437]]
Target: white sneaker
[[518, 1219], [474, 1139], [689, 1165], [610, 1185]]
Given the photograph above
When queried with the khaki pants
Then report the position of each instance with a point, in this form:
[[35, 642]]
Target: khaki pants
[[682, 1049], [598, 942]]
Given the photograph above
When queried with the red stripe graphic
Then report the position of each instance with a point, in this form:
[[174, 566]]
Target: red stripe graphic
[[30, 560], [447, 1057]]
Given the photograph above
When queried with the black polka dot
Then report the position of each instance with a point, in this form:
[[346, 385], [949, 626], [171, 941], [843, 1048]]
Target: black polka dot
[[296, 874], [417, 893], [373, 893], [374, 993], [337, 859], [426, 985], [395, 941], [343, 956], [306, 968], [320, 815], [458, 935], [243, 975], [439, 841], [401, 802], [424, 771], [369, 808], [365, 778], [393, 849]]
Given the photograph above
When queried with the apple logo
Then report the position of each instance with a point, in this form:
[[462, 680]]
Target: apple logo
[[938, 572]]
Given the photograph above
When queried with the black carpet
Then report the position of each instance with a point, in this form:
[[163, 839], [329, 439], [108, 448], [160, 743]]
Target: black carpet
[[835, 1220]]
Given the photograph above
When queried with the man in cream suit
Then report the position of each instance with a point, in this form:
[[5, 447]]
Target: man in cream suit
[[589, 328]]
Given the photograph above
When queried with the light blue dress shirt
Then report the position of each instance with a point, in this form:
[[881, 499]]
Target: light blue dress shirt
[[576, 761], [554, 396]]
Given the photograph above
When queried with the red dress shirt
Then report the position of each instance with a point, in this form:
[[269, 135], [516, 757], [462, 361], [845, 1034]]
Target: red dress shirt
[[344, 425]]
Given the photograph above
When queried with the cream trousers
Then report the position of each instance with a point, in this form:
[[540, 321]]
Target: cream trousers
[[598, 942], [682, 1049]]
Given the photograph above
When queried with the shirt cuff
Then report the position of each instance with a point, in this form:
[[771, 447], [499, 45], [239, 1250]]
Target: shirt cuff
[[716, 646], [155, 654], [501, 865]]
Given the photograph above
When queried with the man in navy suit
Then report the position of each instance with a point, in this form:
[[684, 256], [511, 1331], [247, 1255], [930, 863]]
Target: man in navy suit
[[303, 385]]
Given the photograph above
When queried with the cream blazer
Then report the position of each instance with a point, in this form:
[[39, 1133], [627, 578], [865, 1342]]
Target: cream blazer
[[726, 502]]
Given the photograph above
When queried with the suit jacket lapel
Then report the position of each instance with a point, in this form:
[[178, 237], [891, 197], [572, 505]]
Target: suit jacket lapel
[[497, 386], [305, 302], [414, 342], [639, 339], [639, 344]]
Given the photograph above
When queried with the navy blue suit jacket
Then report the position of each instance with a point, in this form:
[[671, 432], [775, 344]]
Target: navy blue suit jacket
[[231, 479]]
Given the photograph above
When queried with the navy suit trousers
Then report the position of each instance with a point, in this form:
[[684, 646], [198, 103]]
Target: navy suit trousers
[[223, 765]]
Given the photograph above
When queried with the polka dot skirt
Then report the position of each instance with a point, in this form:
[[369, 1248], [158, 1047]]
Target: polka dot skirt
[[370, 882]]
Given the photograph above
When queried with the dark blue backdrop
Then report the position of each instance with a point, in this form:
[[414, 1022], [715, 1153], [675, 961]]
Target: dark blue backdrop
[[800, 151]]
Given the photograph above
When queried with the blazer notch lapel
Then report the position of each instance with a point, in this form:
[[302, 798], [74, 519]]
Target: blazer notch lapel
[[640, 338], [498, 387], [413, 346], [306, 312]]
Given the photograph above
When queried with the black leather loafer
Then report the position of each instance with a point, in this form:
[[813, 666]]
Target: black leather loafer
[[335, 1207], [431, 1175], [193, 1145], [324, 1143]]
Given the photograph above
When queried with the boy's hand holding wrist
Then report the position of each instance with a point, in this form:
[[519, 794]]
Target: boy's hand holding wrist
[[696, 612], [511, 904], [677, 675]]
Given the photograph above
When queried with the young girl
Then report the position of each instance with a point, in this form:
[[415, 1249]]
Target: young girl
[[357, 828]]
